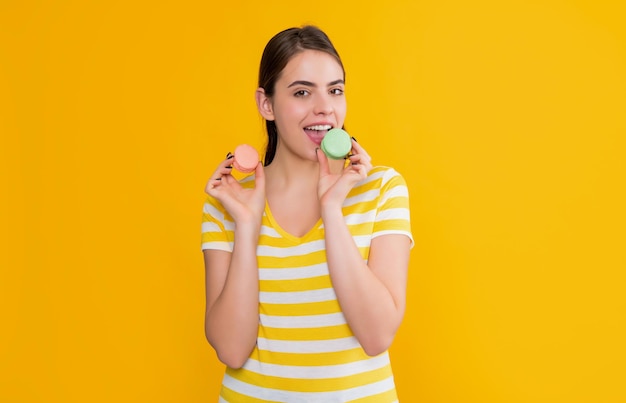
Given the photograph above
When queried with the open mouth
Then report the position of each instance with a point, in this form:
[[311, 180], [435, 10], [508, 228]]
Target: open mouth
[[317, 132]]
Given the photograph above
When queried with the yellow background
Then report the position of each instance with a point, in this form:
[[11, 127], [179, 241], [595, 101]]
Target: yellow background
[[507, 119]]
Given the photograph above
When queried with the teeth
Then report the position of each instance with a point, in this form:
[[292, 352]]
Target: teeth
[[319, 127]]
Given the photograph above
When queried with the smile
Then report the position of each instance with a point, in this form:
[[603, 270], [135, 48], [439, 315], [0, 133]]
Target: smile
[[319, 127]]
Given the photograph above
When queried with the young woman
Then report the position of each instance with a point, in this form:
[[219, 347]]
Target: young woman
[[306, 259]]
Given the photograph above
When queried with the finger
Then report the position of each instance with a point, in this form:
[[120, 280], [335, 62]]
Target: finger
[[224, 168], [219, 177], [362, 165], [358, 149], [221, 174], [358, 170], [363, 170], [359, 159], [228, 162], [224, 171], [259, 176], [212, 184], [323, 160]]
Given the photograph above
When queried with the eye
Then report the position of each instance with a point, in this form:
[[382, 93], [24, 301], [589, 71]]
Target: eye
[[301, 93], [337, 91]]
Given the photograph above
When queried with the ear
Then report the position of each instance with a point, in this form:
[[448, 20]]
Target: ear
[[264, 104]]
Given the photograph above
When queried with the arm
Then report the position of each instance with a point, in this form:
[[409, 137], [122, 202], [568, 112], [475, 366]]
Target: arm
[[232, 299], [372, 295], [232, 282]]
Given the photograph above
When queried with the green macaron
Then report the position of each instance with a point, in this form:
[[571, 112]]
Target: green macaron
[[336, 144]]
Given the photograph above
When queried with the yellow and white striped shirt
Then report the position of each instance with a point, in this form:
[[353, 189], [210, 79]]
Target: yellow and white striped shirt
[[305, 350]]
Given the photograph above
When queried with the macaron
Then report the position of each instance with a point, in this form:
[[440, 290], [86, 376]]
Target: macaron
[[246, 158], [336, 144]]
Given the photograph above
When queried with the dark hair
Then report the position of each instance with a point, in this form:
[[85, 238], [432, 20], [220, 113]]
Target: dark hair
[[277, 53]]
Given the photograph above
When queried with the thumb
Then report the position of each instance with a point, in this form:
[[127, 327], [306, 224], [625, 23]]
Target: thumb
[[323, 160], [259, 176]]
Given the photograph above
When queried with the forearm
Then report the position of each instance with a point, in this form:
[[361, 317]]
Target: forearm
[[368, 305], [232, 321]]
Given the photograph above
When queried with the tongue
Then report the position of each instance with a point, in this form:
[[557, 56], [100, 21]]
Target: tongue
[[316, 135]]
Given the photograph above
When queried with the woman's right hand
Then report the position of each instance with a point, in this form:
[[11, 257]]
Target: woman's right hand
[[244, 205]]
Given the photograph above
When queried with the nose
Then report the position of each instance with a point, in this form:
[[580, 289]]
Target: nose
[[323, 105]]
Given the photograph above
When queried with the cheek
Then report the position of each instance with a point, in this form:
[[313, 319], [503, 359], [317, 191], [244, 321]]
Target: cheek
[[291, 111], [341, 109], [288, 115]]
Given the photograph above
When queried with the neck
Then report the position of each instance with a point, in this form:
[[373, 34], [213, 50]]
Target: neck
[[290, 171], [292, 174]]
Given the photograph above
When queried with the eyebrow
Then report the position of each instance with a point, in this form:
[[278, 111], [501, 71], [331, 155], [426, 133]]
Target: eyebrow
[[310, 84]]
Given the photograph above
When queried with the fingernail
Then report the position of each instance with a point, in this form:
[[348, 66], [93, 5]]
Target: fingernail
[[353, 139], [229, 155]]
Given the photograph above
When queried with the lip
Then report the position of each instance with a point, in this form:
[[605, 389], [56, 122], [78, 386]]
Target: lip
[[316, 136]]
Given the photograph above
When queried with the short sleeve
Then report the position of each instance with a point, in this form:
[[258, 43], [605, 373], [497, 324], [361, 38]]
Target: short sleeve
[[393, 215], [217, 227]]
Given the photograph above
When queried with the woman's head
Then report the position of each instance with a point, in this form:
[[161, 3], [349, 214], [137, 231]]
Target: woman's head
[[277, 54]]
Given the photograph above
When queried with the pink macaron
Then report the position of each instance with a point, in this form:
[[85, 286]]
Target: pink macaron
[[246, 158]]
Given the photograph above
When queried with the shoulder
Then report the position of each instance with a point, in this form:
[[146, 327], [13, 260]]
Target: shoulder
[[381, 185], [384, 177], [384, 171]]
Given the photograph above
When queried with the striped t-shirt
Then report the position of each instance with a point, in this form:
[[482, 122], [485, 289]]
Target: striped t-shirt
[[305, 350]]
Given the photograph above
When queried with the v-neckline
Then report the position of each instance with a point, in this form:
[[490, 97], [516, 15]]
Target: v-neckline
[[295, 239]]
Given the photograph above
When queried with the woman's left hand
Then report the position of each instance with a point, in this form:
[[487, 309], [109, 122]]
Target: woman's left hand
[[332, 189]]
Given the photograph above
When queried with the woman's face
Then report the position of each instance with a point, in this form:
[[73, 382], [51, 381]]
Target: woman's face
[[308, 101]]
